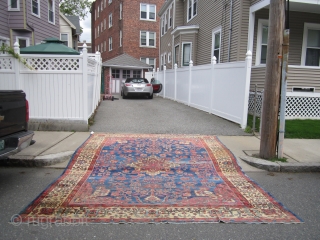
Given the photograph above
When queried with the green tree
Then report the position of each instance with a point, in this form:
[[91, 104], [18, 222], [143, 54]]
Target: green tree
[[75, 7]]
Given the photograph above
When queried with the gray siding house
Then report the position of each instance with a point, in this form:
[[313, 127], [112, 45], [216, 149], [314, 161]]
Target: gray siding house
[[28, 22], [197, 30]]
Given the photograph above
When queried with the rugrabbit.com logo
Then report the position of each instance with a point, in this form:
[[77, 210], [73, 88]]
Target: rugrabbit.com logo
[[48, 222]]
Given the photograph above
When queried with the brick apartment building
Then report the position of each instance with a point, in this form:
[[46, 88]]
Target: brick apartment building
[[126, 33]]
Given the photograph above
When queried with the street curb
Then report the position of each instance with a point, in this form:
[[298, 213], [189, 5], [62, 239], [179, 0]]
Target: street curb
[[281, 166], [39, 161]]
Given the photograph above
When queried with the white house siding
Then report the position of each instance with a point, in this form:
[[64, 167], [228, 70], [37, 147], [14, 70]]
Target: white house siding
[[65, 28]]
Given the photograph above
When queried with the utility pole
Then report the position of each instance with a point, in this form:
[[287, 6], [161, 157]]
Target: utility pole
[[270, 109]]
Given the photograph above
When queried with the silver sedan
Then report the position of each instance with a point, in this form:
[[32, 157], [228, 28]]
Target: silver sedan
[[136, 87]]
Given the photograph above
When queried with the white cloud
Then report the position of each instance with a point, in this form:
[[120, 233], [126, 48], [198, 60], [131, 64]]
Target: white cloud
[[86, 28]]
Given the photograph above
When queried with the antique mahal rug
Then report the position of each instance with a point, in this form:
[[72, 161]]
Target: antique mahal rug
[[139, 178]]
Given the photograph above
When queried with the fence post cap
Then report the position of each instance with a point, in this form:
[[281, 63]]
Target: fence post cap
[[214, 60], [191, 63], [175, 66]]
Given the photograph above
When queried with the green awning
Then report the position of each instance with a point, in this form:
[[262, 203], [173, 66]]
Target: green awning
[[51, 46]]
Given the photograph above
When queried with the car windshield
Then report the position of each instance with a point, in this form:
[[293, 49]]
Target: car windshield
[[137, 80]]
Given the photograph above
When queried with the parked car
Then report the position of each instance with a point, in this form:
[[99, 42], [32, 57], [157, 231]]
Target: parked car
[[136, 87], [156, 85], [14, 117]]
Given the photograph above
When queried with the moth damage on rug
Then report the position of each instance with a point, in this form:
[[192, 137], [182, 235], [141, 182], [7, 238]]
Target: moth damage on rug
[[153, 178]]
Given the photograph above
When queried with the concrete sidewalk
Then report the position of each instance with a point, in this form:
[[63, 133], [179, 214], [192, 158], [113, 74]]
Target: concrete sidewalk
[[55, 149]]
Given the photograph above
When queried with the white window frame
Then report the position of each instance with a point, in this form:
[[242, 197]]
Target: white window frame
[[105, 45], [170, 17], [39, 9], [214, 32], [175, 48], [162, 26], [109, 2], [23, 38], [110, 20], [98, 11], [148, 38], [182, 57], [165, 23], [67, 37], [101, 27], [110, 44], [307, 26], [120, 38], [104, 24], [169, 57], [105, 3], [98, 30], [261, 22], [120, 17], [13, 9], [192, 9], [148, 12], [53, 12]]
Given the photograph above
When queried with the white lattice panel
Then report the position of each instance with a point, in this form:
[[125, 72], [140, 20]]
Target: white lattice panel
[[50, 64], [302, 107], [296, 106], [6, 63], [258, 103], [91, 65]]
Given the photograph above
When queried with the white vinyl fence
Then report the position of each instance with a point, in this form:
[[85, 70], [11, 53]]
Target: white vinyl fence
[[221, 89], [63, 91]]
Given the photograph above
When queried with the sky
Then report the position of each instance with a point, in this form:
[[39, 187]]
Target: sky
[[86, 27]]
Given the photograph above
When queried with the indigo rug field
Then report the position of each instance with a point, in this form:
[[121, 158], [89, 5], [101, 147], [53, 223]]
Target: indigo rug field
[[153, 178]]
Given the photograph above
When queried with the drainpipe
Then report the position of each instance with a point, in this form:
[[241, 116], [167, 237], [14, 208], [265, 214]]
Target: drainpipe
[[230, 31]]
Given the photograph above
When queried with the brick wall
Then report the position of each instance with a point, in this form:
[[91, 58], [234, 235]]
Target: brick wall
[[131, 25]]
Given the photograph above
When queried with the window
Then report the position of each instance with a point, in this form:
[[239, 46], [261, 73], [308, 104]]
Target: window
[[64, 38], [120, 38], [104, 24], [147, 12], [136, 73], [105, 3], [165, 23], [161, 62], [311, 45], [98, 11], [101, 6], [186, 54], [105, 45], [169, 57], [101, 26], [147, 39], [216, 37], [115, 73], [162, 26], [164, 58], [98, 30], [110, 20], [23, 41], [110, 43], [150, 61], [51, 11], [262, 41], [192, 9], [176, 54], [125, 73], [13, 5], [101, 47], [170, 17], [120, 11], [36, 7], [109, 1]]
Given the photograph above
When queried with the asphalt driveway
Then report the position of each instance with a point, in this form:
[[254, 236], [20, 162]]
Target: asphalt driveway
[[158, 115]]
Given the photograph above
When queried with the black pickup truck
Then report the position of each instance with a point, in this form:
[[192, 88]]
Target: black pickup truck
[[14, 117]]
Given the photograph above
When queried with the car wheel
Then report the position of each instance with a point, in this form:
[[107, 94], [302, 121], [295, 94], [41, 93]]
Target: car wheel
[[123, 96], [151, 96]]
